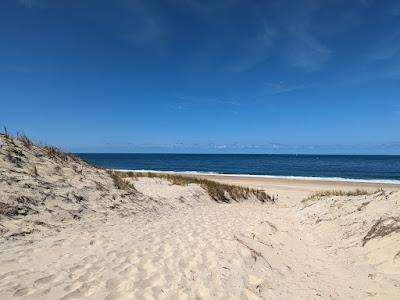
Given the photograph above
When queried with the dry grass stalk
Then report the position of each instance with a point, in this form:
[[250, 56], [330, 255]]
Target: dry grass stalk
[[382, 228], [25, 140], [7, 135]]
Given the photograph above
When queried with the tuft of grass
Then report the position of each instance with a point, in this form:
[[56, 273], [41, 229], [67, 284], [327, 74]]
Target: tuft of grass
[[321, 194], [56, 153], [382, 228], [25, 140], [6, 133], [220, 192], [51, 151], [120, 183]]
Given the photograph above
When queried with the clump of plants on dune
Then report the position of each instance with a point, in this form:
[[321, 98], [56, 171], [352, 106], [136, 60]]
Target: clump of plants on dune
[[220, 192]]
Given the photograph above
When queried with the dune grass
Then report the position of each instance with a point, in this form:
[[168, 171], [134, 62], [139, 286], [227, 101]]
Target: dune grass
[[330, 193], [381, 228], [6, 133], [24, 139], [120, 183], [220, 192], [51, 151]]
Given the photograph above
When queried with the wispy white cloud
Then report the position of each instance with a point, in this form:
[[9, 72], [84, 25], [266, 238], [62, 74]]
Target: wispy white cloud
[[204, 8], [281, 87], [191, 101], [294, 38], [33, 3], [306, 52], [366, 2], [253, 50], [267, 37], [142, 27], [386, 49], [394, 10], [147, 31], [176, 106]]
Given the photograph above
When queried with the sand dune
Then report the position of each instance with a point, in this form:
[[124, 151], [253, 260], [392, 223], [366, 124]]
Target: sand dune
[[164, 241]]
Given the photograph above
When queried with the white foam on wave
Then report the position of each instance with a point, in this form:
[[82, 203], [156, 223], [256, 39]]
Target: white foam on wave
[[340, 179]]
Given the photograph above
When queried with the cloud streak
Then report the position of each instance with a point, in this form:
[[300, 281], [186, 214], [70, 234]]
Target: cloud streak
[[33, 3], [387, 49], [281, 87], [306, 52]]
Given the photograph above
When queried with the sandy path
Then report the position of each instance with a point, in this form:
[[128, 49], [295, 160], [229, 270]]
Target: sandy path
[[235, 251]]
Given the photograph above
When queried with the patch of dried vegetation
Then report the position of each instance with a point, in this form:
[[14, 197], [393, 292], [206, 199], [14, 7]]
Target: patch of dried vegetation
[[119, 182], [338, 193], [382, 228], [218, 191]]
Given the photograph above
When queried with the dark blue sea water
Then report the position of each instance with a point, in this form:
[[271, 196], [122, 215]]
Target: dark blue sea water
[[363, 167]]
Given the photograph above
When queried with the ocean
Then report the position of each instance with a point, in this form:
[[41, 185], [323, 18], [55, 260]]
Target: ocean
[[373, 168]]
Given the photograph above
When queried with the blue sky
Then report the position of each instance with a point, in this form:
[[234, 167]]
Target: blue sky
[[224, 76]]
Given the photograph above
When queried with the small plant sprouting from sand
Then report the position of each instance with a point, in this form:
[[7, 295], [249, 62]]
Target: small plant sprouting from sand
[[321, 194], [218, 191], [120, 183], [6, 134]]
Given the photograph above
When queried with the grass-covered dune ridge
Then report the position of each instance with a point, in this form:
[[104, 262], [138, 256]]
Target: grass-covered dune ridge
[[41, 187], [220, 192], [339, 193]]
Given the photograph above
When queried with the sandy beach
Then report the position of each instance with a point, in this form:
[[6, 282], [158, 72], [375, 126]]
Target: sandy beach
[[297, 187], [68, 231]]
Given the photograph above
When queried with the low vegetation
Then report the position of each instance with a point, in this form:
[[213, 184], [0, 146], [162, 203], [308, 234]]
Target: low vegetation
[[382, 228], [23, 138], [218, 191], [55, 153], [321, 194], [6, 133], [51, 151], [120, 183]]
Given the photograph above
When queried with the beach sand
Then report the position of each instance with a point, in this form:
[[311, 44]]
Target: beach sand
[[167, 241], [297, 188]]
